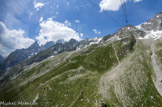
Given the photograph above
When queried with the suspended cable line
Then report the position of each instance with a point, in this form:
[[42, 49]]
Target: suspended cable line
[[126, 16], [96, 6], [123, 4]]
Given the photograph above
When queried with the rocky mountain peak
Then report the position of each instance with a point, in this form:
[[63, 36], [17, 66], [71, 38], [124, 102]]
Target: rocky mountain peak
[[72, 41], [1, 58], [20, 55], [34, 46], [129, 30], [122, 71], [128, 27], [159, 15], [60, 41], [154, 24], [48, 44]]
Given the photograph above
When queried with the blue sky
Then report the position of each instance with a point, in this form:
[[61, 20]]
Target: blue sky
[[25, 21]]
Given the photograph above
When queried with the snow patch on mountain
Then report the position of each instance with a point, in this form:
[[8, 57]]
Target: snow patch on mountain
[[145, 23], [138, 26], [95, 40], [92, 41], [152, 35]]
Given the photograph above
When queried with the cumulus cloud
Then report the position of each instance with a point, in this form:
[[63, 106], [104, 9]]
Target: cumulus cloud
[[96, 32], [11, 40], [57, 13], [37, 6], [81, 34], [52, 31], [137, 0], [77, 21], [57, 6], [113, 5], [67, 3], [67, 23], [30, 14], [41, 19]]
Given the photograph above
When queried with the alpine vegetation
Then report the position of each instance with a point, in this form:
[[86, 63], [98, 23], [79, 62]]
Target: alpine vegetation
[[123, 69]]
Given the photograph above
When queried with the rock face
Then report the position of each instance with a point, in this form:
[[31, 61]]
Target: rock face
[[36, 53], [152, 28], [21, 54], [153, 24], [1, 58], [122, 70], [130, 30], [58, 48]]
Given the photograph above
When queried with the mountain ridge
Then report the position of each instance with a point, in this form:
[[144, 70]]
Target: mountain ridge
[[117, 70], [20, 55], [1, 58]]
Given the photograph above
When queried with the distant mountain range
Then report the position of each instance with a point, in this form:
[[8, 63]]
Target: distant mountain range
[[36, 53], [1, 58], [119, 70], [20, 55]]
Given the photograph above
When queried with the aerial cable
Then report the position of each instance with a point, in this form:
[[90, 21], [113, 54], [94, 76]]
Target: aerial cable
[[126, 16], [124, 11], [96, 6]]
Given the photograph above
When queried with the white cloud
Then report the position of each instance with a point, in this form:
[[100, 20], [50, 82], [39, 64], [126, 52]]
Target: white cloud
[[37, 6], [77, 21], [16, 7], [11, 40], [57, 13], [67, 3], [67, 23], [113, 5], [30, 14], [57, 6], [81, 35], [137, 0], [53, 31], [96, 32], [41, 19]]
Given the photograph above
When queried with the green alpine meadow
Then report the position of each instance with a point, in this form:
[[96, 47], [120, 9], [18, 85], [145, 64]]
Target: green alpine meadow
[[121, 70]]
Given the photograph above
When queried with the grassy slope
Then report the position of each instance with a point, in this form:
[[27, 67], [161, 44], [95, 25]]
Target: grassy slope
[[57, 87], [131, 84], [76, 80], [159, 51]]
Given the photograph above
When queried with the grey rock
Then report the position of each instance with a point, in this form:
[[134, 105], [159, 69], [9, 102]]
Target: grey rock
[[153, 24], [128, 31], [1, 58]]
